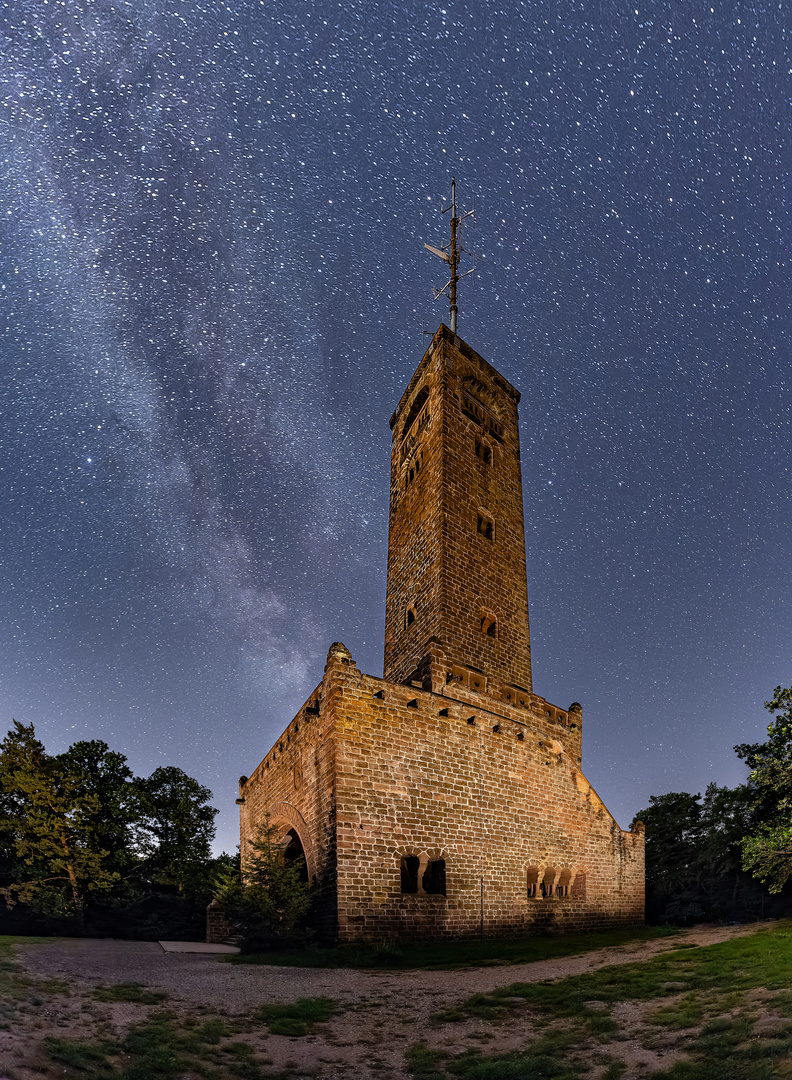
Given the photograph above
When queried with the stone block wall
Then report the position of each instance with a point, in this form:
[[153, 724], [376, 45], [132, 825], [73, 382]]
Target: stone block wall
[[294, 788], [456, 544], [496, 795], [492, 788]]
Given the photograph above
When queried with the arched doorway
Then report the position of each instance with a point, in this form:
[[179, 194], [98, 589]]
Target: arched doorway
[[294, 852]]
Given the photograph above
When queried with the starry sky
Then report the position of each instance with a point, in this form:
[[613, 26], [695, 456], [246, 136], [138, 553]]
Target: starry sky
[[214, 290]]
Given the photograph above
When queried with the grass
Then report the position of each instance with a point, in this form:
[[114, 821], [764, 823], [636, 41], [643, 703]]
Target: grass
[[763, 959], [18, 989], [710, 1012], [299, 1017], [426, 1064], [161, 1048], [165, 1047], [449, 955], [130, 991]]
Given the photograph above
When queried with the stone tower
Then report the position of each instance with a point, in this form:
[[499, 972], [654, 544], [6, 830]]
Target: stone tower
[[447, 798], [457, 595]]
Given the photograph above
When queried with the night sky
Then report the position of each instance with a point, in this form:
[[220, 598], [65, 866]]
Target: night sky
[[214, 289]]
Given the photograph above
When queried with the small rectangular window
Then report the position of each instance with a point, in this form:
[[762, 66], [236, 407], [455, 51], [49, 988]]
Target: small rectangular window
[[486, 527], [434, 879]]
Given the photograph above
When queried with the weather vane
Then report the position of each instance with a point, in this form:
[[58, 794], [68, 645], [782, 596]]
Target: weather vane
[[451, 253]]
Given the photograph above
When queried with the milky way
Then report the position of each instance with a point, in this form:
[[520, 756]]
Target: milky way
[[214, 291]]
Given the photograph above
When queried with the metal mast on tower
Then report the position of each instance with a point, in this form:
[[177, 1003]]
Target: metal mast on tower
[[450, 253]]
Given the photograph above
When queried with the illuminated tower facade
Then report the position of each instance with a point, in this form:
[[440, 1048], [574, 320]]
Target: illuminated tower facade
[[457, 595]]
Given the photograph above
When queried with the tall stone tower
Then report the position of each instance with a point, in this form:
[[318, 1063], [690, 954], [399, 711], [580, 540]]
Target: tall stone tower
[[447, 798], [457, 595]]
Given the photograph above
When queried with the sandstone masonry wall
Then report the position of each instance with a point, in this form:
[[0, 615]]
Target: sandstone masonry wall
[[466, 788], [457, 581]]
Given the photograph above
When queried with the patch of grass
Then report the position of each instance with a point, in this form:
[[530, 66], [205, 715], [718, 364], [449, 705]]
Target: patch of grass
[[161, 1049], [705, 983], [449, 955], [299, 1017], [761, 959], [86, 1057], [426, 1064], [18, 989], [685, 1013], [130, 991]]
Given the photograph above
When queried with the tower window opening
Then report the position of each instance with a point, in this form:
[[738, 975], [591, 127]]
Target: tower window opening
[[473, 410], [484, 452], [496, 429], [434, 878], [410, 615], [409, 873], [418, 404], [486, 527], [489, 626]]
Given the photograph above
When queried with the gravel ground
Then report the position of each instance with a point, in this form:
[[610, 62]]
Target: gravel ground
[[382, 1013], [210, 980]]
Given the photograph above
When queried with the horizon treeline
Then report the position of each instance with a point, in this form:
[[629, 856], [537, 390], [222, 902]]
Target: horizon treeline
[[726, 856], [87, 847]]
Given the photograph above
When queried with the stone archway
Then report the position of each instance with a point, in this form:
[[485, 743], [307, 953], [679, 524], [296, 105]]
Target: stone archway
[[288, 819]]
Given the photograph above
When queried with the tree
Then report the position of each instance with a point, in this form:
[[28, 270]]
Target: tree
[[693, 856], [51, 817], [267, 902], [767, 849], [672, 873], [175, 828], [103, 774]]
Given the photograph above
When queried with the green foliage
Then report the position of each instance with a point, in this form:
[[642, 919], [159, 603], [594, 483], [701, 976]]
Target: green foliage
[[267, 905], [52, 817], [175, 828], [130, 991], [693, 856], [299, 1017], [79, 832], [767, 848]]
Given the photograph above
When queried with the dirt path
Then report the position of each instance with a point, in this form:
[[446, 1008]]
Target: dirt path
[[382, 1012]]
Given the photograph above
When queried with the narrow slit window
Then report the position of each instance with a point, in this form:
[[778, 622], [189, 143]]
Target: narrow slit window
[[410, 615], [489, 625]]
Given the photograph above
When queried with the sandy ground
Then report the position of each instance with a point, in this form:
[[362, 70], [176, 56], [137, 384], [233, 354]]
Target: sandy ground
[[383, 1013]]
